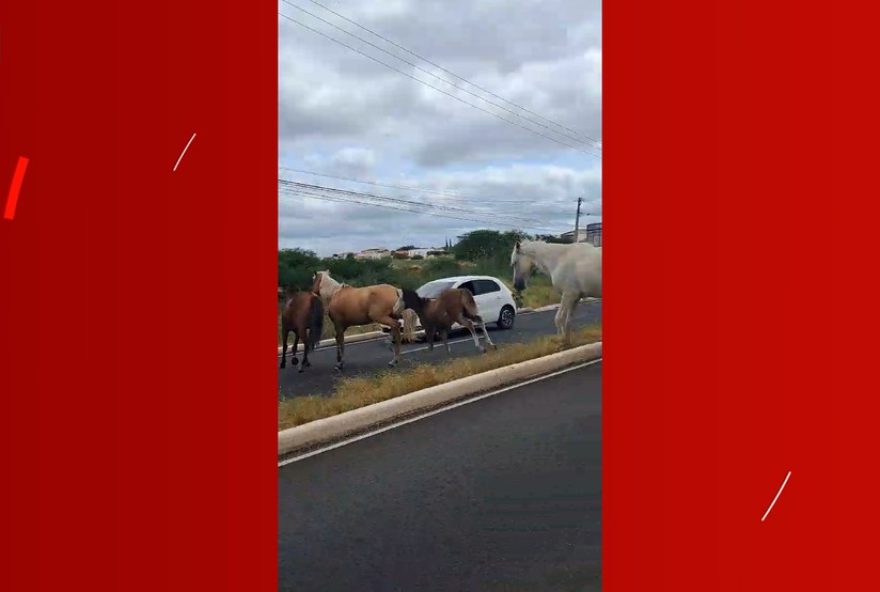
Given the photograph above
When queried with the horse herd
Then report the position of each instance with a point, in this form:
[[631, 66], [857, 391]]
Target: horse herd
[[575, 270]]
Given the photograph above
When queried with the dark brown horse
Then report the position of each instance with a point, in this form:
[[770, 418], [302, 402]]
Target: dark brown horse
[[439, 314], [304, 315]]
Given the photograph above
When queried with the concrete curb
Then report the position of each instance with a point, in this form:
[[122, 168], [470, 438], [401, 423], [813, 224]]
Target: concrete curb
[[323, 431], [349, 339]]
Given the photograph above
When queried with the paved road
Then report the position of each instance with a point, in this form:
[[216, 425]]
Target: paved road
[[371, 357], [503, 494]]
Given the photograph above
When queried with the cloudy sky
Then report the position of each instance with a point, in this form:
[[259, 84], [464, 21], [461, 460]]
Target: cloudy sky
[[352, 119]]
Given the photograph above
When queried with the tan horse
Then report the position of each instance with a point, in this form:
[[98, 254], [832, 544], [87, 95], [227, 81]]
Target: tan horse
[[348, 306]]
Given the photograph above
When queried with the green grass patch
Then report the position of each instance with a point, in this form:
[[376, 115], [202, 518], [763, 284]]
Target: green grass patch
[[352, 393]]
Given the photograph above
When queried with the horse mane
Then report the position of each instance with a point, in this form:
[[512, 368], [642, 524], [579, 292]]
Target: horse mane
[[412, 300]]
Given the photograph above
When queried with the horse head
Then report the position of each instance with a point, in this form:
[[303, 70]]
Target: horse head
[[522, 265], [325, 286]]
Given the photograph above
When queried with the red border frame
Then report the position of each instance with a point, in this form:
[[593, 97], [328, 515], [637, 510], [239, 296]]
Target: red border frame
[[737, 241], [137, 308]]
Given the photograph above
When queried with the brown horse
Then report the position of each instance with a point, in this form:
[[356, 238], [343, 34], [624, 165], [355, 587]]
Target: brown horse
[[348, 306], [304, 315], [439, 314]]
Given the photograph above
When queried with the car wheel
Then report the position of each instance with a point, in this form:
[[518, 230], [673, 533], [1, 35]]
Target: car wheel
[[505, 319]]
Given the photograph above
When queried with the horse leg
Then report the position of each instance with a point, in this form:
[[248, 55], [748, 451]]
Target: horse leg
[[429, 337], [284, 332], [486, 333], [463, 320], [340, 345], [445, 334], [568, 302], [558, 319], [306, 338], [395, 334], [293, 358]]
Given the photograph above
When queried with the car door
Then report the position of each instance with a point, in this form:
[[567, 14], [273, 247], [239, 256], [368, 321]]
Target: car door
[[488, 296]]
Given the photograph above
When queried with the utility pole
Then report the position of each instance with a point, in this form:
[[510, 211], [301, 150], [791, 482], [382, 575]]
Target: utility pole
[[577, 220]]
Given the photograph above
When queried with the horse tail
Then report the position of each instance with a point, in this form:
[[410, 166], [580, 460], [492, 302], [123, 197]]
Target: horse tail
[[409, 325], [412, 308], [316, 322], [469, 305]]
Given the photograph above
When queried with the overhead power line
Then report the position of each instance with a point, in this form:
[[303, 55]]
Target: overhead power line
[[429, 73], [324, 197], [459, 99], [386, 199], [333, 194], [439, 67], [452, 196]]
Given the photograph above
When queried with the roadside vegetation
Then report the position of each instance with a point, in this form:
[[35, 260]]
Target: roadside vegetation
[[482, 252], [352, 393]]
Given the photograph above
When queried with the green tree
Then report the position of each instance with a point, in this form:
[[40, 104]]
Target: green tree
[[296, 268], [486, 244], [437, 268]]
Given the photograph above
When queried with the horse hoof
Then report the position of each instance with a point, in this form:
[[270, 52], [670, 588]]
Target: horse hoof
[[302, 369], [283, 365], [482, 350], [338, 367], [392, 363]]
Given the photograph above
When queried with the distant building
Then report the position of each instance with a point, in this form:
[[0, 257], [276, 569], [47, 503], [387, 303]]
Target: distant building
[[424, 252], [568, 236], [594, 234], [591, 234], [373, 254]]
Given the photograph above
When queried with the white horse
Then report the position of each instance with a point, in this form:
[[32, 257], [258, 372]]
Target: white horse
[[575, 270]]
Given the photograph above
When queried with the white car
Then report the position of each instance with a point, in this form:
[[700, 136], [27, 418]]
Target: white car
[[494, 300]]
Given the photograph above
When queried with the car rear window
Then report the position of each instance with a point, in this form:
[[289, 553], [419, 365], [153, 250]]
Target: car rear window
[[434, 289], [486, 286]]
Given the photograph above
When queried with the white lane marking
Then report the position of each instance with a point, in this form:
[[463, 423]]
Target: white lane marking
[[777, 496], [436, 344], [435, 412], [329, 346], [185, 148]]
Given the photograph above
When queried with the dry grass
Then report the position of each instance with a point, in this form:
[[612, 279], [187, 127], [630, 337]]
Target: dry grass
[[352, 393], [538, 295]]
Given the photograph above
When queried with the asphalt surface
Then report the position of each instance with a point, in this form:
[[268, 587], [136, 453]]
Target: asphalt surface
[[371, 357], [503, 494]]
